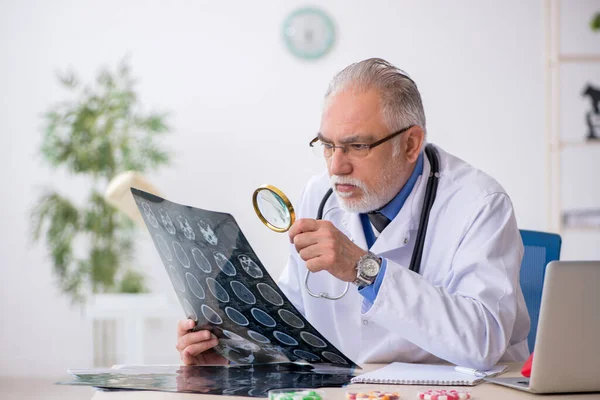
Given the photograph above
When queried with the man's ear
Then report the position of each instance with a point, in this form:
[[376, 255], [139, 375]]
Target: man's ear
[[413, 142]]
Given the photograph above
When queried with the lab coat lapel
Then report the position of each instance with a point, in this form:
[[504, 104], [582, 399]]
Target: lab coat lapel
[[354, 230]]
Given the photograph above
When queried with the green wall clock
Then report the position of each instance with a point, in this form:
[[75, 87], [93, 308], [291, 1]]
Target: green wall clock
[[308, 33]]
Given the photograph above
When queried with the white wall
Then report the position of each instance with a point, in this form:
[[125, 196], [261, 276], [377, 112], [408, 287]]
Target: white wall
[[244, 110]]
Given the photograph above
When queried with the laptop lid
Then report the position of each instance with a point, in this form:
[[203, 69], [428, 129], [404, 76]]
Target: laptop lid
[[567, 344]]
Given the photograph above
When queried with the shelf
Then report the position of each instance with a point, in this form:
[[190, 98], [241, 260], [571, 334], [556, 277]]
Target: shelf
[[574, 143], [576, 58]]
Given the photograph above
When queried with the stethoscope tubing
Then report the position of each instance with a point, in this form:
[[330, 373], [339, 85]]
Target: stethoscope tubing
[[430, 194]]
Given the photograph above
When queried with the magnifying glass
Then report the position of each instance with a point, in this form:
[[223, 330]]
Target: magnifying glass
[[276, 212], [273, 208]]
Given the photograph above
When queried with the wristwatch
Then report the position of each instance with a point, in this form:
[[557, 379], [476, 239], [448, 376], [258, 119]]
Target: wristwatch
[[367, 268]]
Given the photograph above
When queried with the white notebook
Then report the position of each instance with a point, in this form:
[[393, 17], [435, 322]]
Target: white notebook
[[425, 374]]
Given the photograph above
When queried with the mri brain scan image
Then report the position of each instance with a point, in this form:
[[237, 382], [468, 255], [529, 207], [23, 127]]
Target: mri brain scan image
[[195, 286], [224, 264], [186, 228], [166, 220], [207, 232], [201, 260], [250, 266], [163, 247], [149, 214], [181, 255]]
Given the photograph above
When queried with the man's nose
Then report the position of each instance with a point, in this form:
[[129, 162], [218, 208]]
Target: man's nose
[[339, 163]]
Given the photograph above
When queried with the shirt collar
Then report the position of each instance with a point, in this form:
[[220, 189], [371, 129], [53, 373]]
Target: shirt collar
[[392, 208]]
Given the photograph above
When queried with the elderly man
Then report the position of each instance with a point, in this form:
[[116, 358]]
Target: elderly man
[[456, 299]]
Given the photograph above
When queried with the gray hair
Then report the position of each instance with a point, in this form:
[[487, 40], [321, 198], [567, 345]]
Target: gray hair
[[400, 99]]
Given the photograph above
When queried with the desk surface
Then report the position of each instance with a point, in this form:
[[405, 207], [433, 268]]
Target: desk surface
[[487, 391]]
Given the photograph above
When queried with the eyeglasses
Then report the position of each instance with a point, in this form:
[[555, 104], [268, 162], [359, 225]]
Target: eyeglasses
[[355, 150]]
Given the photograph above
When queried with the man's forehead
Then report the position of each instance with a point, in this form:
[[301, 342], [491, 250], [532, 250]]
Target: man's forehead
[[349, 109], [352, 117]]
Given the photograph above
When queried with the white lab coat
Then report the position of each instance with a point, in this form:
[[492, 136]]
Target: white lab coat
[[466, 305]]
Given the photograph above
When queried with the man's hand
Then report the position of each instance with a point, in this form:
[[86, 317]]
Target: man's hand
[[197, 347], [323, 247]]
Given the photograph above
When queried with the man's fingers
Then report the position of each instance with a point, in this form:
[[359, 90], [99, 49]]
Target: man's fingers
[[310, 252], [315, 264], [306, 232], [184, 327], [187, 358], [302, 225], [199, 348], [193, 338], [304, 240]]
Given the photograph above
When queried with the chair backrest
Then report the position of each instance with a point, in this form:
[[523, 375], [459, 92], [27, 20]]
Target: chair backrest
[[540, 249]]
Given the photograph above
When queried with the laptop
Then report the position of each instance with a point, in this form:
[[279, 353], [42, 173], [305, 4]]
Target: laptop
[[567, 346]]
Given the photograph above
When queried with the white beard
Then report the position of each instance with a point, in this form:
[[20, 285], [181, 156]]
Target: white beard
[[371, 199]]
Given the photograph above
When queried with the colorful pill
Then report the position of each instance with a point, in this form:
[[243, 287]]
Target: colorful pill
[[299, 395], [442, 394], [373, 395]]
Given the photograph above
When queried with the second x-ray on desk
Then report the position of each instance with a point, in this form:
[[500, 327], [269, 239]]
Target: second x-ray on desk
[[223, 286]]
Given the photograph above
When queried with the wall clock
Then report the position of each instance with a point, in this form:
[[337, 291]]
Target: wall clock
[[308, 33]]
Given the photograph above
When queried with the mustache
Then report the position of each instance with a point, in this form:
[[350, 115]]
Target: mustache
[[346, 180]]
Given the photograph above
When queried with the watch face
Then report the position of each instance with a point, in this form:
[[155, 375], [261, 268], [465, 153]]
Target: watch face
[[370, 268]]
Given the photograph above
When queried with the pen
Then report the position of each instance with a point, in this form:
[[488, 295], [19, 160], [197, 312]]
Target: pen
[[470, 371]]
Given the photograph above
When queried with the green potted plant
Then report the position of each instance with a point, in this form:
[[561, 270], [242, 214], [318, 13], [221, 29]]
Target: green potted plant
[[595, 23], [98, 133]]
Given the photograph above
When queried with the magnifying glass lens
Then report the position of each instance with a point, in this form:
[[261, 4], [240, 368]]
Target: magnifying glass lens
[[273, 209]]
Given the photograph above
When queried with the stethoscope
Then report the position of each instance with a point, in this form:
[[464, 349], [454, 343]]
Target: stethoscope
[[275, 210]]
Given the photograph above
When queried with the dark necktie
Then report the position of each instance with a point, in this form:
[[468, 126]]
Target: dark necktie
[[378, 220]]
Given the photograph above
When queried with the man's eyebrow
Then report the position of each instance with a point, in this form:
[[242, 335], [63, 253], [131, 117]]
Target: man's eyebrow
[[358, 138]]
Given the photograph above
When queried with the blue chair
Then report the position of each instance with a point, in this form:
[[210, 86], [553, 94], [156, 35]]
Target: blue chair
[[540, 249]]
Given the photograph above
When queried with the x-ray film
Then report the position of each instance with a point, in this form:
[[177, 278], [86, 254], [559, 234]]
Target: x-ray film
[[230, 380], [223, 286]]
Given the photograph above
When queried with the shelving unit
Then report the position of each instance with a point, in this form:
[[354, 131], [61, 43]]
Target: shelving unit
[[557, 144]]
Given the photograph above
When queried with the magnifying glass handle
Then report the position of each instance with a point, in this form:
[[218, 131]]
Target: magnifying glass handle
[[323, 295]]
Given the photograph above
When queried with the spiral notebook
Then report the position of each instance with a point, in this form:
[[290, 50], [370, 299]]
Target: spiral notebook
[[425, 374]]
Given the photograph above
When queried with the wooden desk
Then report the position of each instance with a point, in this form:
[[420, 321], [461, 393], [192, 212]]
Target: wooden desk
[[484, 391]]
